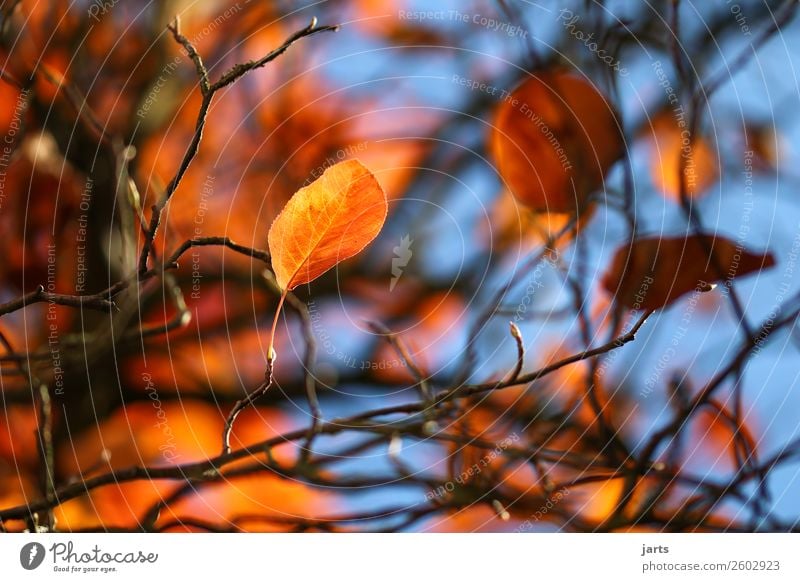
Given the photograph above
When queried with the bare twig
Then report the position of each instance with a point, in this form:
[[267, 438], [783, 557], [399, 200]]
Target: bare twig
[[44, 434], [517, 335], [208, 92], [39, 295], [209, 469], [191, 52], [400, 347], [242, 404]]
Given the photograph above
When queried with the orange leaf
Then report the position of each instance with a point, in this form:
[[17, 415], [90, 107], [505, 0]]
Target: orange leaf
[[653, 272], [553, 139], [325, 223], [673, 154]]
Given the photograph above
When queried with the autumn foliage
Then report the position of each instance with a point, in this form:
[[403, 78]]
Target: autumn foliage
[[554, 138], [325, 223], [258, 277]]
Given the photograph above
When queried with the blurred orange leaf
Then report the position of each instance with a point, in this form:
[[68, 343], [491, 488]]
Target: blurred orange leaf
[[326, 222], [653, 272], [673, 153], [553, 140]]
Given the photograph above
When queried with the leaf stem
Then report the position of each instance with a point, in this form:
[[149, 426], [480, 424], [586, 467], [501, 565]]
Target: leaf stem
[[271, 351]]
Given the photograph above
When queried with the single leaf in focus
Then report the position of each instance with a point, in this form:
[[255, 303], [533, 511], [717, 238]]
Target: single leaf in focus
[[325, 223], [553, 139], [653, 272]]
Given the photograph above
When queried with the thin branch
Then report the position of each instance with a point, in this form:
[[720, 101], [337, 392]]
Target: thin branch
[[242, 404], [39, 295], [533, 376], [102, 301], [78, 101], [400, 347], [496, 300], [681, 420], [210, 469], [210, 241], [782, 17], [44, 433], [231, 76], [517, 335], [191, 52], [241, 69]]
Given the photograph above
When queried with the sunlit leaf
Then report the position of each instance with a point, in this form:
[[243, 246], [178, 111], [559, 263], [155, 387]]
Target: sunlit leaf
[[325, 223]]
